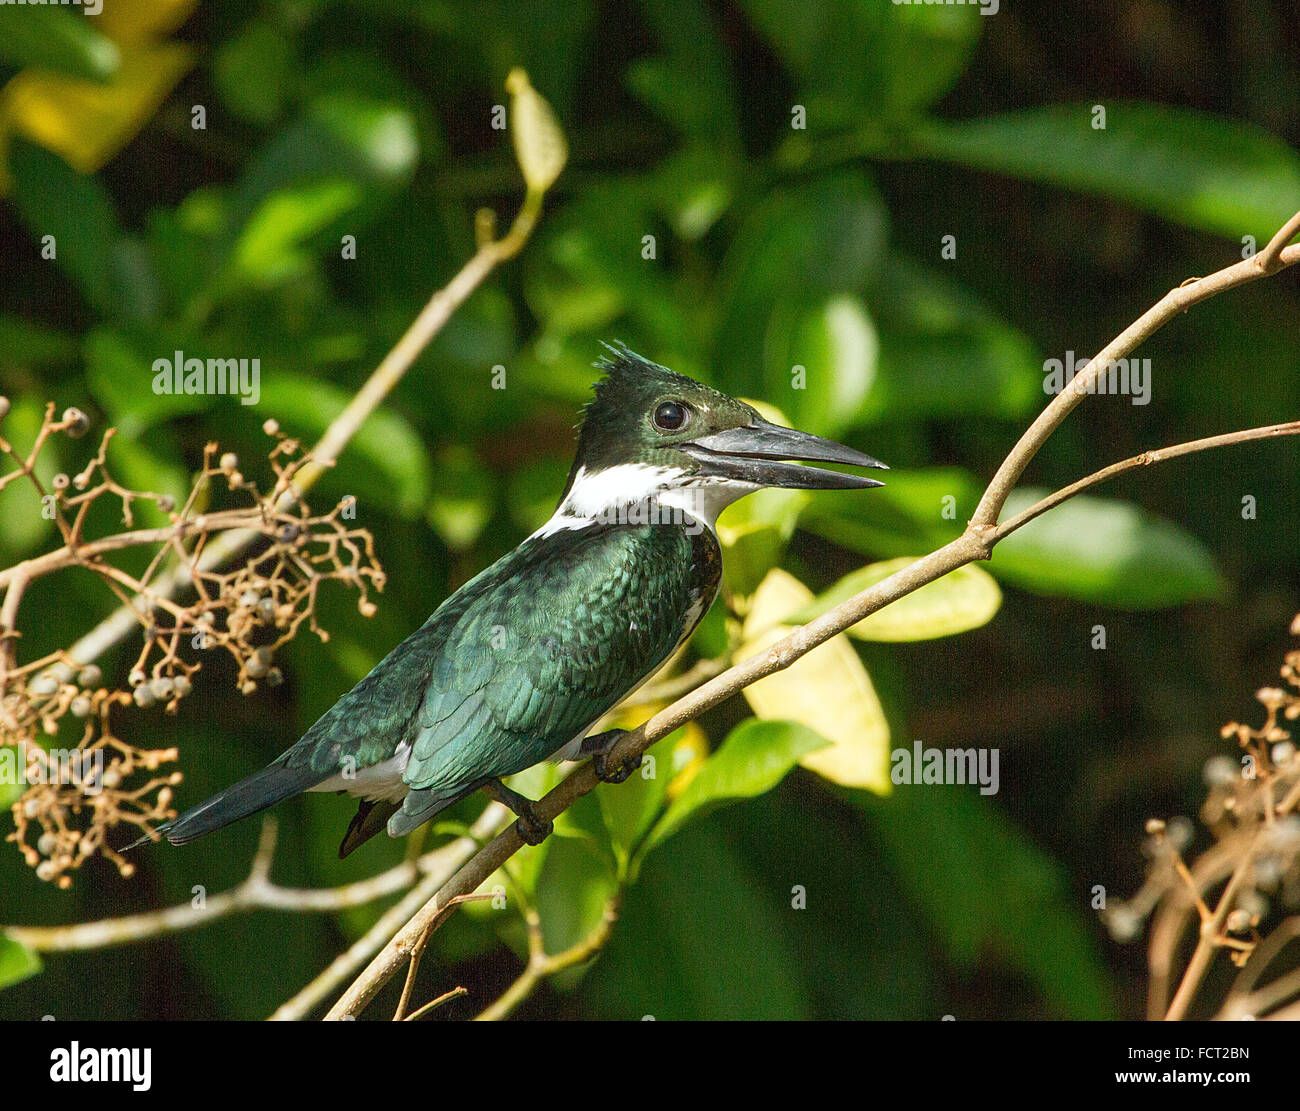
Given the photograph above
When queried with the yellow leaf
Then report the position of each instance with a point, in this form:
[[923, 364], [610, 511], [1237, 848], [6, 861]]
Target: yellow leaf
[[827, 690], [964, 599], [85, 123], [539, 142], [136, 20]]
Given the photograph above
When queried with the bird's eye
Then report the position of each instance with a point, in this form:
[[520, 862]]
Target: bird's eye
[[670, 416]]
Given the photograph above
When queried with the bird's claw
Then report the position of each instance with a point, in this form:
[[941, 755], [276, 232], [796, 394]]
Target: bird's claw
[[533, 830], [599, 747], [607, 775], [531, 827]]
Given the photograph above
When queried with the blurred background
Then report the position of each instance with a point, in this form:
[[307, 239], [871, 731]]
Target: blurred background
[[916, 205]]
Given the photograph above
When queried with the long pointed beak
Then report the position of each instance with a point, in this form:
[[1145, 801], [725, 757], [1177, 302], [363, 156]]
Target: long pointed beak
[[752, 453]]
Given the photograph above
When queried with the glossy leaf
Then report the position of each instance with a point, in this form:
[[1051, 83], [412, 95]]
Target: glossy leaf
[[252, 71], [54, 200], [17, 962], [829, 351], [985, 888], [962, 600], [1206, 171], [944, 353], [681, 950], [57, 40], [753, 759], [269, 246], [573, 891], [387, 444], [847, 53], [1107, 552], [828, 690]]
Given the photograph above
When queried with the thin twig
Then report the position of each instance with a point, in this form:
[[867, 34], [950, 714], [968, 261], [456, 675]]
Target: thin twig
[[450, 858], [435, 314], [541, 964], [417, 951], [974, 544], [433, 1004], [255, 892], [1208, 941]]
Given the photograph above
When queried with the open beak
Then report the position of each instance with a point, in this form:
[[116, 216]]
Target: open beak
[[753, 453]]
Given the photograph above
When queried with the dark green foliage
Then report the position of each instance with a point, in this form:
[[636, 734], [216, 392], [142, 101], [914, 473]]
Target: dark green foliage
[[774, 246]]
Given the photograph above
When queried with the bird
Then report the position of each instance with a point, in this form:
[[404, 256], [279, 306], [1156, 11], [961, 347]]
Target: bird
[[517, 665]]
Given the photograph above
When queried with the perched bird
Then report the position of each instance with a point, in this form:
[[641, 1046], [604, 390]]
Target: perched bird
[[518, 664]]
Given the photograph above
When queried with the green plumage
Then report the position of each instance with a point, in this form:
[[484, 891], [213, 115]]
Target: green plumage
[[522, 660], [542, 643]]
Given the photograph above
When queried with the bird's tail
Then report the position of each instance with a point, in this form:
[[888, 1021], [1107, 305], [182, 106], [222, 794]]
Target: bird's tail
[[257, 792]]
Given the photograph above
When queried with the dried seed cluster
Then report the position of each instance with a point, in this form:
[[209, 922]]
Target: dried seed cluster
[[79, 790]]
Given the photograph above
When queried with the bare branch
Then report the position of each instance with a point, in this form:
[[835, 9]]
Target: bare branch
[[975, 543]]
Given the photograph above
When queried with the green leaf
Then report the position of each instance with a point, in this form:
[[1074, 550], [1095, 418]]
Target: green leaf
[[854, 54], [913, 511], [386, 443], [690, 85], [57, 201], [754, 532], [24, 343], [943, 352], [828, 351], [252, 71], [53, 38], [345, 155], [572, 892], [1107, 552], [121, 376], [25, 524], [693, 188], [1221, 175], [962, 600], [986, 888], [630, 808], [375, 139], [753, 759], [269, 247], [789, 288], [699, 937], [17, 962], [462, 505]]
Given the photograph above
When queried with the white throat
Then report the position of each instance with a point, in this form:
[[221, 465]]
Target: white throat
[[633, 493]]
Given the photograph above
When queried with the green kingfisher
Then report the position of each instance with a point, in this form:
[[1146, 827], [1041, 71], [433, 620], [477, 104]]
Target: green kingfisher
[[518, 664]]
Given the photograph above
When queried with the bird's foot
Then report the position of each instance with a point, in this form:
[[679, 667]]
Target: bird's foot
[[532, 828], [599, 747]]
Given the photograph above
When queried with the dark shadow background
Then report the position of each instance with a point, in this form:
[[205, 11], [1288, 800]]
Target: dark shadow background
[[678, 115]]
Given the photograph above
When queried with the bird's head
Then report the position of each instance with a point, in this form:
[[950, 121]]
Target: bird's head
[[649, 430]]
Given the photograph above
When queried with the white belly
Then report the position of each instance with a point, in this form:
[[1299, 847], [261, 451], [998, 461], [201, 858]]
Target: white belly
[[380, 782]]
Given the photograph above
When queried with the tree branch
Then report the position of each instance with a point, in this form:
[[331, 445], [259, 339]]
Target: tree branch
[[432, 318], [255, 892], [975, 543], [347, 963]]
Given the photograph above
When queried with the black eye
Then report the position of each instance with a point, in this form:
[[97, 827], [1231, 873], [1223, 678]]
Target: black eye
[[670, 416]]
